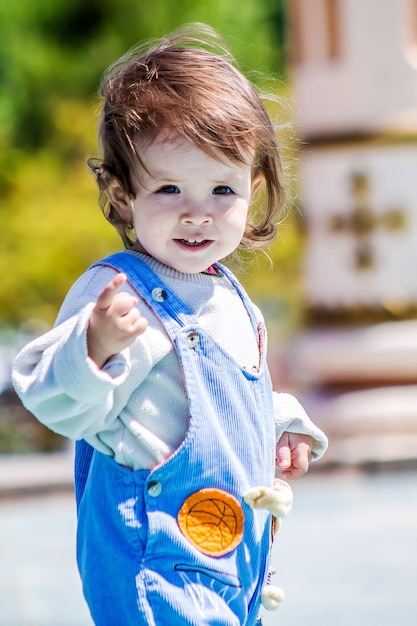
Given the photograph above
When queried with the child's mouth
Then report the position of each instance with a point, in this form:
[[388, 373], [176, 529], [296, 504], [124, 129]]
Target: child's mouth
[[193, 243]]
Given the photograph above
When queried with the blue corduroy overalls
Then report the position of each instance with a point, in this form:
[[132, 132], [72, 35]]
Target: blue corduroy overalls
[[165, 546]]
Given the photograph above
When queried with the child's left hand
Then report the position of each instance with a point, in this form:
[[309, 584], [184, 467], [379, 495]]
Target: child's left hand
[[293, 454]]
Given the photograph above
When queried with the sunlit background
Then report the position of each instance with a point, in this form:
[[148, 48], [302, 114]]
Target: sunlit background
[[338, 288]]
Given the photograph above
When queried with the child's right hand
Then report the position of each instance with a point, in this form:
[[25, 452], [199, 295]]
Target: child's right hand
[[115, 322]]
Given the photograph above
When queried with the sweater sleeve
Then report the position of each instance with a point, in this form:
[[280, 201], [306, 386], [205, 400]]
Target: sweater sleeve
[[62, 386], [58, 382], [290, 416]]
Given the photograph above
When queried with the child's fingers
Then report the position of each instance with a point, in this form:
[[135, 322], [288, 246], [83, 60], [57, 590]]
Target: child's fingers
[[106, 297], [126, 315], [284, 458], [139, 326], [298, 464], [122, 305], [283, 453]]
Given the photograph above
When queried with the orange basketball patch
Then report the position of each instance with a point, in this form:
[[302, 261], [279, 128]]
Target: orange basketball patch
[[212, 520]]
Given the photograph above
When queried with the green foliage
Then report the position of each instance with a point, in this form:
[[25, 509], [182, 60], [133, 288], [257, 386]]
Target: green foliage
[[52, 55], [53, 225], [51, 50]]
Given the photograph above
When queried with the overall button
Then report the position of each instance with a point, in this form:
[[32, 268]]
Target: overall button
[[192, 339], [154, 488], [158, 294]]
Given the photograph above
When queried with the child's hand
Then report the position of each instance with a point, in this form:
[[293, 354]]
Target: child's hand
[[115, 322], [293, 454]]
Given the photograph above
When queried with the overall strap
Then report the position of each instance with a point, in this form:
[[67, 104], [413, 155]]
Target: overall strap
[[172, 312], [242, 293]]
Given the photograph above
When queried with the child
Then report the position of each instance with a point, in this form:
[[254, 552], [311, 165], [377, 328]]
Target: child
[[156, 364]]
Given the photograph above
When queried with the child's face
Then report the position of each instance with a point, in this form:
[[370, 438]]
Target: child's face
[[191, 211]]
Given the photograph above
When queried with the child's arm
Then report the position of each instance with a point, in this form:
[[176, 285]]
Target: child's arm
[[114, 324], [59, 382]]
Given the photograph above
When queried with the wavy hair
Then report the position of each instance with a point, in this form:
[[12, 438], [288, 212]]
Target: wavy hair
[[188, 81]]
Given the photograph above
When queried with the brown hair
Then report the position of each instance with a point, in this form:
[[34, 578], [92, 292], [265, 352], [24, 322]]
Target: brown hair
[[187, 81]]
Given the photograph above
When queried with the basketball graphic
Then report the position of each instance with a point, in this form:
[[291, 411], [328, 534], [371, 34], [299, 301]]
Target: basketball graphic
[[212, 520]]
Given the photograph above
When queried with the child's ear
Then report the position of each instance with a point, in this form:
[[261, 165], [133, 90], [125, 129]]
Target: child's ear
[[121, 200]]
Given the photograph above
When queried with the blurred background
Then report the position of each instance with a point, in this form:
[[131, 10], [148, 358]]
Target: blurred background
[[338, 288]]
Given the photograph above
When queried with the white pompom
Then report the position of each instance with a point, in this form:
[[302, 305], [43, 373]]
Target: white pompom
[[271, 597]]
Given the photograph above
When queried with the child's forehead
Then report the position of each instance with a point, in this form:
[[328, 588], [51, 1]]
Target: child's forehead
[[169, 149]]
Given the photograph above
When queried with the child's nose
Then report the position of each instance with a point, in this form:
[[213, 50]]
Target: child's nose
[[196, 216]]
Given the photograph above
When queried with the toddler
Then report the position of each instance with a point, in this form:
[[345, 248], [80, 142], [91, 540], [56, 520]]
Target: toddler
[[156, 365]]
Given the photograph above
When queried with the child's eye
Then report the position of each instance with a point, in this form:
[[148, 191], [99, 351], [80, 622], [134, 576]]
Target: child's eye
[[222, 190], [168, 189]]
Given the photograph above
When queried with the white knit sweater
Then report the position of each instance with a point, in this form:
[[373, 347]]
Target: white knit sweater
[[135, 407]]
